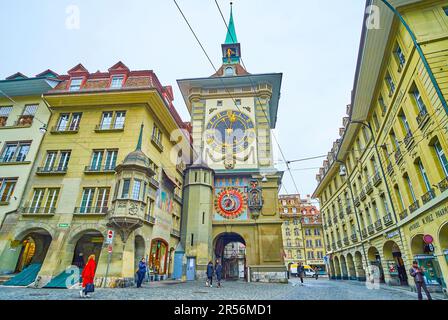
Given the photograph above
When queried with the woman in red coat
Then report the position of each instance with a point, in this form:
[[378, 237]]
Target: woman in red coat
[[88, 275]]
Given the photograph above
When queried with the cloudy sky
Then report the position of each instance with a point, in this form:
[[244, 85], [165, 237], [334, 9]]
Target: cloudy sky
[[314, 43]]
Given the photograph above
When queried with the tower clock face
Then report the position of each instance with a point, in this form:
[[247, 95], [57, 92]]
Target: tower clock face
[[230, 203], [232, 129]]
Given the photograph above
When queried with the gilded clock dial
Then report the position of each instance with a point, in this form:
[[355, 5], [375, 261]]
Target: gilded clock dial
[[230, 129]]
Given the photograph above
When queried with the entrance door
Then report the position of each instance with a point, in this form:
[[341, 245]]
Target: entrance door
[[191, 268]]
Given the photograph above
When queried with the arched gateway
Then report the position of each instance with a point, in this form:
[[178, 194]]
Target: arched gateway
[[230, 249]]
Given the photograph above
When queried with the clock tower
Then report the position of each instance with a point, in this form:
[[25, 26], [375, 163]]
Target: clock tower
[[232, 115]]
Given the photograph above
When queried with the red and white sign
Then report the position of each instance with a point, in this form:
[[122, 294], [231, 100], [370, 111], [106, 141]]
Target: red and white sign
[[110, 236], [109, 249], [428, 239]]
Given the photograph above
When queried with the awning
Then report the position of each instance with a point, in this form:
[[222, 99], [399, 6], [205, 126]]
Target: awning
[[170, 179]]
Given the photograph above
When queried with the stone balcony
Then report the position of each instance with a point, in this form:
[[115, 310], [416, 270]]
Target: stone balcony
[[378, 225], [428, 196], [387, 219], [376, 179], [414, 207], [369, 187], [362, 195], [127, 215], [354, 238], [371, 229], [403, 214], [443, 185]]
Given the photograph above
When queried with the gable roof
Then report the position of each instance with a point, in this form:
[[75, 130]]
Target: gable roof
[[17, 75]]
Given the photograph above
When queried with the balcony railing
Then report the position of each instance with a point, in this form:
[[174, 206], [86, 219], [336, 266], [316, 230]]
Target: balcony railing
[[403, 214], [91, 210], [348, 209], [154, 182], [37, 210], [408, 139], [175, 232], [12, 160], [388, 219], [157, 143], [97, 169], [369, 187], [24, 121], [354, 237], [371, 229], [422, 117], [68, 129], [398, 156], [376, 179], [362, 195], [390, 169], [364, 233], [428, 196], [378, 225], [45, 170], [414, 206], [110, 127], [443, 185], [150, 219]]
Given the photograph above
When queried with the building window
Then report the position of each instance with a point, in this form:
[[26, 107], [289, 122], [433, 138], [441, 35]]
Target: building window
[[44, 200], [400, 56], [404, 122], [238, 102], [390, 84], [96, 164], [68, 122], [310, 255], [383, 105], [7, 186], [4, 114], [229, 71], [294, 210], [309, 243], [157, 136], [376, 122], [136, 189], [410, 188], [15, 152], [125, 192], [296, 232], [424, 175], [111, 159], [285, 210], [116, 82], [419, 101], [120, 117], [51, 159], [316, 232], [75, 84], [87, 200], [219, 103], [318, 243], [442, 157], [308, 232], [28, 115], [287, 232], [106, 120], [102, 200]]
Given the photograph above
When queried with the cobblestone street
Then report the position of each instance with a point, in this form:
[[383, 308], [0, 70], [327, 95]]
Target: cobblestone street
[[321, 289]]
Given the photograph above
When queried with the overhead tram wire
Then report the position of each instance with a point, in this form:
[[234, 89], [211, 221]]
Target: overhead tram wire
[[258, 100]]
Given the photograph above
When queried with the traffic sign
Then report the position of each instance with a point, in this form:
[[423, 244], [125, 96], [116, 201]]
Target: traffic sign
[[109, 249], [110, 236], [428, 239]]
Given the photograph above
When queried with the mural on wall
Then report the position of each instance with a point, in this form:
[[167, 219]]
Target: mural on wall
[[230, 201]]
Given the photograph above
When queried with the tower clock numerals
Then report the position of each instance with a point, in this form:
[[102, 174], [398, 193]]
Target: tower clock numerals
[[231, 129]]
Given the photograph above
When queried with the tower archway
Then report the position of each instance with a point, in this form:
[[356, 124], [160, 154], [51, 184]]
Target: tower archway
[[230, 249]]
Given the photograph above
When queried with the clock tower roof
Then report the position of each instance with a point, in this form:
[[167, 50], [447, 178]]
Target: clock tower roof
[[231, 34]]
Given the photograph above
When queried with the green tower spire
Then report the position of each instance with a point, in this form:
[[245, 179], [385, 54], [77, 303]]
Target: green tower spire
[[231, 34], [140, 137]]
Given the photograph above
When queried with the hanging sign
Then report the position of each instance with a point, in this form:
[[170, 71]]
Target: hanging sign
[[428, 239]]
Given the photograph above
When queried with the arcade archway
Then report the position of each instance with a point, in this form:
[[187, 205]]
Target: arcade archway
[[33, 248], [337, 268], [230, 249], [395, 263], [344, 268], [351, 267], [375, 261], [158, 257], [89, 242], [139, 250], [360, 272]]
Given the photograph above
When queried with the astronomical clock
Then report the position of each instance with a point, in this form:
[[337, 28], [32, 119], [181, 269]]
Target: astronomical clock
[[229, 138]]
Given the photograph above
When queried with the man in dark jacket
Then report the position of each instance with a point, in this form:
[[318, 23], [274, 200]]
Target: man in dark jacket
[[417, 273], [210, 273], [218, 272], [141, 272], [300, 272]]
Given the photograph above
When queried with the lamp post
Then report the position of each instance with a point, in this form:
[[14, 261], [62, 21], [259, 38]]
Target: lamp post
[[420, 53], [356, 214]]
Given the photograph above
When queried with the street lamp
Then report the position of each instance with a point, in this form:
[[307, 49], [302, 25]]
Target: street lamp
[[421, 54]]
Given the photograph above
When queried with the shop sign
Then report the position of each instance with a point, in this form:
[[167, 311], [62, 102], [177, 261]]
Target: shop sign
[[63, 225], [392, 234], [423, 256]]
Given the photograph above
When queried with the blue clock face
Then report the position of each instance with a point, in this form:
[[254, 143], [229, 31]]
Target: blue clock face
[[230, 129]]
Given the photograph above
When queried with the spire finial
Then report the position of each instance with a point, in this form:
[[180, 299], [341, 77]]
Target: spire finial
[[140, 137], [231, 34]]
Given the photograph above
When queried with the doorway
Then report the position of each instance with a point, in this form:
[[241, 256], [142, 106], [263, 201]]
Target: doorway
[[230, 249]]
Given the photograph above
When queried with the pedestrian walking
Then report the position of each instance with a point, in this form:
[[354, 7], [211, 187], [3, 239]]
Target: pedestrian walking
[[316, 272], [88, 275], [300, 272], [210, 274], [141, 272], [417, 273], [218, 272]]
